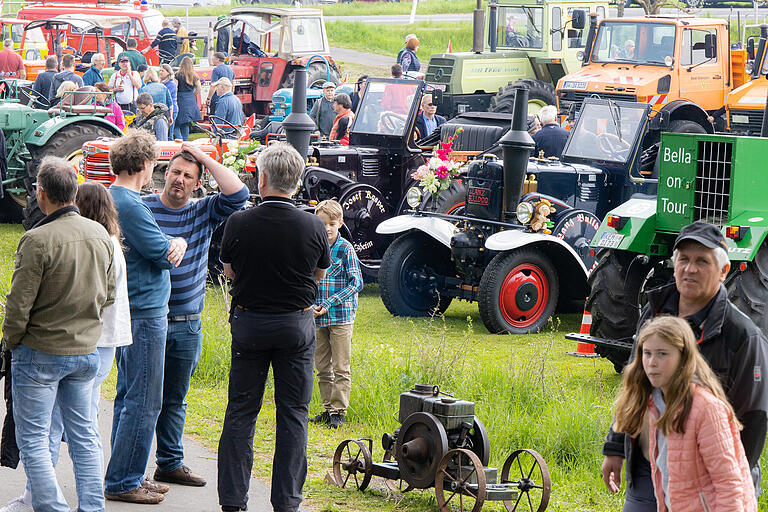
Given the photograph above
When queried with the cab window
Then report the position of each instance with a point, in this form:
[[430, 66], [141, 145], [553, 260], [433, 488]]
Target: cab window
[[692, 48], [120, 30], [520, 27], [576, 38], [557, 40]]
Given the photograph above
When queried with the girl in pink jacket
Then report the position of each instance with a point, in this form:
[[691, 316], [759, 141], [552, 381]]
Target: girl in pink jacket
[[697, 459]]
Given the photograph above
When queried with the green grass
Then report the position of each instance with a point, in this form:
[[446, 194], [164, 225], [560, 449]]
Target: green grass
[[388, 39]]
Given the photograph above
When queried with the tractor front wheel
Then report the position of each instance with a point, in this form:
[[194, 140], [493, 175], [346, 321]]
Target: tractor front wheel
[[518, 292]]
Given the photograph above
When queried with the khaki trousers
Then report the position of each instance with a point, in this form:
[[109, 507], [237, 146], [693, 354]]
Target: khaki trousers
[[332, 363]]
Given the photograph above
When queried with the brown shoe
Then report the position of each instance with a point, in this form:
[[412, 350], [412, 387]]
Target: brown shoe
[[154, 486], [181, 476], [139, 495]]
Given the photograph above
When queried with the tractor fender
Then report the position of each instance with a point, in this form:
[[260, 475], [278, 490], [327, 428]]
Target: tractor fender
[[561, 254], [46, 130], [684, 109], [314, 176], [439, 229]]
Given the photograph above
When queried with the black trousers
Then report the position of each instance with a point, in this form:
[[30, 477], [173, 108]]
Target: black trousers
[[287, 342], [640, 497]]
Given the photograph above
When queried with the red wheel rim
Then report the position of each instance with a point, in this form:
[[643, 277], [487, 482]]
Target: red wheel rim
[[524, 295], [454, 208]]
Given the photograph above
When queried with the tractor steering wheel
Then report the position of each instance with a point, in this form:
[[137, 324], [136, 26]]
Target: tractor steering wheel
[[217, 123], [389, 123], [165, 57], [612, 145]]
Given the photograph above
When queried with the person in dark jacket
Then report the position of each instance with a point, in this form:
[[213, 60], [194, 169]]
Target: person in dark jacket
[[731, 343], [427, 121], [222, 38], [134, 56], [165, 42], [322, 112], [355, 97], [67, 73], [551, 138], [42, 86], [93, 74], [153, 117], [407, 56], [220, 70]]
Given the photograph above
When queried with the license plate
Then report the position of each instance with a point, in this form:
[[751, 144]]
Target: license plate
[[739, 119], [610, 240], [280, 112], [575, 85], [440, 87]]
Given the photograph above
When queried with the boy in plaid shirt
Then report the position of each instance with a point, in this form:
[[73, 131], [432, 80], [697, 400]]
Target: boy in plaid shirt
[[335, 308]]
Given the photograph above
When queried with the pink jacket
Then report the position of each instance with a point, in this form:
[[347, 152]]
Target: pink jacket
[[708, 470]]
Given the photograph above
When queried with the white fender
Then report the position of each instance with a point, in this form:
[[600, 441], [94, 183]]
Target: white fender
[[514, 239], [439, 229]]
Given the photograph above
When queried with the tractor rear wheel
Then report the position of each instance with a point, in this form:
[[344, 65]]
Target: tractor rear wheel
[[518, 292], [67, 143], [316, 76], [540, 94], [452, 200], [748, 290], [408, 277], [686, 126]]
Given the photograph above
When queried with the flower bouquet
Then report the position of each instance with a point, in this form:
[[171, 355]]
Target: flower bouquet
[[440, 170], [237, 153]]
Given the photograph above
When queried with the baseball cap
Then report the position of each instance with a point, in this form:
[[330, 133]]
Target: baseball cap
[[175, 19], [702, 232], [124, 59], [223, 81], [329, 84]]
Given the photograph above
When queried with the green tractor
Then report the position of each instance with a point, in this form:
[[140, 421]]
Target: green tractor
[[526, 43], [32, 134], [713, 178]]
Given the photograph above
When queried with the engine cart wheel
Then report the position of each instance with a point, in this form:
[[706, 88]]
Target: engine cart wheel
[[395, 485], [518, 292], [458, 470], [480, 444], [409, 275], [748, 290], [352, 458], [420, 446], [527, 471]]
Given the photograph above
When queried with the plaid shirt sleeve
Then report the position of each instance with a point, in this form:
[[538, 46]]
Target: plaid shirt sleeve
[[337, 293]]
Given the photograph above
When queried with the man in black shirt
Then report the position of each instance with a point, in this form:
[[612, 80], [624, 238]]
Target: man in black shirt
[[275, 254]]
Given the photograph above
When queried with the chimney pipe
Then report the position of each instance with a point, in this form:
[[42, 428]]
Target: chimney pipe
[[478, 20], [516, 146], [298, 125], [493, 19]]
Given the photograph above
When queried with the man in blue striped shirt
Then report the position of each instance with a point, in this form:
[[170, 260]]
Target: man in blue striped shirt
[[194, 220]]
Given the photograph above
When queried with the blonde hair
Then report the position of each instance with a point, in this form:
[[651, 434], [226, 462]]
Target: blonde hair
[[330, 208], [636, 389], [150, 75], [66, 86]]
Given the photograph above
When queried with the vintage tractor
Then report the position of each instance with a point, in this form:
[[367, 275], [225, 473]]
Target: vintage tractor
[[520, 258], [442, 444], [282, 99], [714, 178], [33, 134], [528, 43]]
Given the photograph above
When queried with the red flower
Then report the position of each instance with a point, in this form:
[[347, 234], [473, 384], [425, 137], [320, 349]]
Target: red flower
[[441, 172]]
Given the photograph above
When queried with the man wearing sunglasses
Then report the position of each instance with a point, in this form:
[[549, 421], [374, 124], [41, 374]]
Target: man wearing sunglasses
[[427, 120]]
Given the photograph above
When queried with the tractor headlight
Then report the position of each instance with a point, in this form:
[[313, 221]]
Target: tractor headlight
[[524, 212], [413, 197], [749, 67], [580, 55]]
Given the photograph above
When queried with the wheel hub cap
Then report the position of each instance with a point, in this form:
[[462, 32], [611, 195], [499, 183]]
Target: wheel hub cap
[[523, 295]]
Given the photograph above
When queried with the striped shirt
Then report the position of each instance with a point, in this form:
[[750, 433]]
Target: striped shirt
[[195, 223], [337, 292]]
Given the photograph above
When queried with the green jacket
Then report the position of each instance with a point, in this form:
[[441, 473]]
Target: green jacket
[[135, 56], [62, 281]]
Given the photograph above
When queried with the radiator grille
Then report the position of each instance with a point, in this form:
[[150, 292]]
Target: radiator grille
[[747, 122], [370, 167], [567, 98], [95, 165], [713, 182]]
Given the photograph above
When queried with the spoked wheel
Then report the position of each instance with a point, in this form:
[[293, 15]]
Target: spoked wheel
[[352, 458], [460, 481], [527, 471], [395, 485]]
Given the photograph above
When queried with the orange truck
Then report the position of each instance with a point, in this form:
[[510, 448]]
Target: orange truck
[[683, 66], [745, 104]]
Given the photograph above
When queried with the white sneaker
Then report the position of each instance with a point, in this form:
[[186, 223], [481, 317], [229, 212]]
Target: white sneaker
[[17, 505]]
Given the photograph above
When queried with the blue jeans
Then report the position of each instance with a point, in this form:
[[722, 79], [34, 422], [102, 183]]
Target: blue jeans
[[39, 381], [182, 352], [137, 404], [181, 131]]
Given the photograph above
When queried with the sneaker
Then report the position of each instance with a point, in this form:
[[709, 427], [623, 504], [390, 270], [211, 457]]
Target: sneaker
[[140, 495], [323, 418], [337, 420], [17, 505], [181, 476], [154, 486]]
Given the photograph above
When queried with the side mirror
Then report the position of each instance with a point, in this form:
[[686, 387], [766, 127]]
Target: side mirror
[[710, 46], [437, 97], [579, 19], [751, 48]]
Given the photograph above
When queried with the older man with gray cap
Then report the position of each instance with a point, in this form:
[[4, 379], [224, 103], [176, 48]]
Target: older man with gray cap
[[322, 112], [228, 106], [731, 343]]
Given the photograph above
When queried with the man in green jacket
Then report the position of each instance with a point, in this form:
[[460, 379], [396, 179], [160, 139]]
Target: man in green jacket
[[135, 56], [62, 281]]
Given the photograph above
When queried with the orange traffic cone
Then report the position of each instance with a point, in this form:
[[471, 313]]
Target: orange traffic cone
[[584, 349], [449, 49]]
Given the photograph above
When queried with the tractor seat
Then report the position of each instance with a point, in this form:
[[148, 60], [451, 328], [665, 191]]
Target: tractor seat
[[79, 109], [79, 101], [473, 138]]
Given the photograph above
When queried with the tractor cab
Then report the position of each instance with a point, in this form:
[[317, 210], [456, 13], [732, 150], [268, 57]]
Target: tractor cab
[[31, 45]]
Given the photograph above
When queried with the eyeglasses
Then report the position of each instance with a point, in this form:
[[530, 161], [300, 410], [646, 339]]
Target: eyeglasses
[[430, 104]]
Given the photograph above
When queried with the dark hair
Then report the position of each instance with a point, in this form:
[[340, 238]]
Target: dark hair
[[343, 100], [102, 87], [131, 43], [397, 70], [129, 153], [95, 203], [220, 56], [189, 157], [68, 60], [51, 62], [58, 179], [144, 99], [142, 68]]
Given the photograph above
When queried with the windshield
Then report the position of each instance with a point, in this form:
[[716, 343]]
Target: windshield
[[520, 27], [605, 131], [640, 43], [307, 35], [153, 23], [384, 108]]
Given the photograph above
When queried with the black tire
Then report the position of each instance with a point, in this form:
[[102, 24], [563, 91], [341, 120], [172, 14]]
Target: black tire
[[452, 200], [66, 143], [32, 213], [686, 126], [748, 290], [316, 76], [527, 276], [539, 94], [408, 274], [215, 268], [616, 285]]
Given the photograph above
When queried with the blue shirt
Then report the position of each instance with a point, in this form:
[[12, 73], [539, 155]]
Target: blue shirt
[[430, 125], [195, 223], [221, 71], [159, 92], [229, 107], [338, 290], [146, 255], [92, 76]]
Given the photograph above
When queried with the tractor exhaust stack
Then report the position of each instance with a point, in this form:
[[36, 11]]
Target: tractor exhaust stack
[[757, 67], [298, 125], [516, 146], [478, 20], [493, 19]]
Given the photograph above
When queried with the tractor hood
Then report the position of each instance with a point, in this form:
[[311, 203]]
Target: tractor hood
[[614, 77]]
